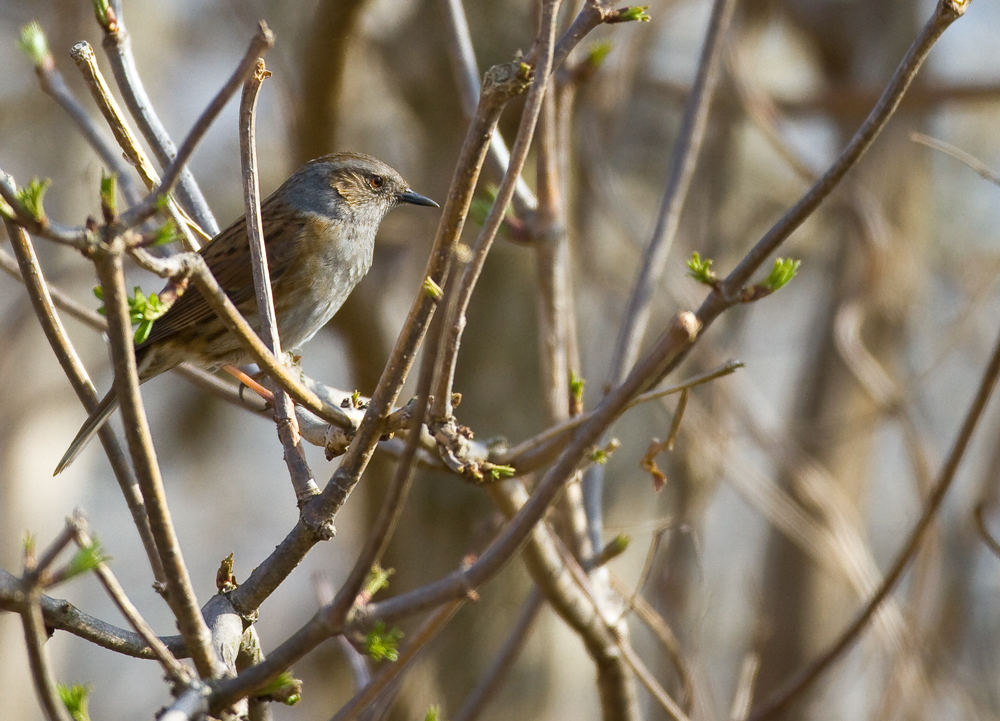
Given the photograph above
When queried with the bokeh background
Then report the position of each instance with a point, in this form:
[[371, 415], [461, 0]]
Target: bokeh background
[[791, 484]]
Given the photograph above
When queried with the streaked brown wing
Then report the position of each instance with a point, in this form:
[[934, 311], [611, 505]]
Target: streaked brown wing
[[228, 257]]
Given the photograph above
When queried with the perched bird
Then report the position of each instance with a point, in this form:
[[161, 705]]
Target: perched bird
[[319, 230]]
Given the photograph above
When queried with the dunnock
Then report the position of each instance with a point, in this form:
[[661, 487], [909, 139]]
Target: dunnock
[[319, 229]]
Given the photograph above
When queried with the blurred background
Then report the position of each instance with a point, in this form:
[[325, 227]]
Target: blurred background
[[793, 482]]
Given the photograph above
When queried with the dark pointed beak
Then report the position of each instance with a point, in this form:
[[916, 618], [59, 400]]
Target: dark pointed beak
[[416, 199]]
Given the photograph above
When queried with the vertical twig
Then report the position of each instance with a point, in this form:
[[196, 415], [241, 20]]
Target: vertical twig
[[454, 325], [181, 594], [684, 159], [284, 411], [34, 629], [463, 61]]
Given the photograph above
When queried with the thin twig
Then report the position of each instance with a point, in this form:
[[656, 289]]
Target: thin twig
[[175, 670], [34, 637], [391, 671], [454, 325], [540, 449], [981, 168], [284, 411], [29, 593], [117, 45], [683, 162], [63, 615], [262, 41], [463, 61], [83, 55], [51, 81]]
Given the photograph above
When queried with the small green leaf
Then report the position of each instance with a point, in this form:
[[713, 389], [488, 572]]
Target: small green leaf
[[166, 234], [86, 559], [284, 688], [701, 270], [599, 456], [30, 197], [74, 698], [381, 644], [28, 544], [497, 471], [576, 386], [636, 13], [432, 290], [616, 546], [598, 54], [784, 270], [142, 332], [109, 200], [378, 578], [34, 45], [433, 713], [102, 12]]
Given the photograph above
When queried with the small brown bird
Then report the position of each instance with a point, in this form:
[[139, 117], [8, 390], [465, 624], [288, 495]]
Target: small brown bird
[[319, 230]]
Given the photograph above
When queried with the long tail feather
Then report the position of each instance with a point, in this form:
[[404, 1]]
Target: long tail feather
[[97, 419]]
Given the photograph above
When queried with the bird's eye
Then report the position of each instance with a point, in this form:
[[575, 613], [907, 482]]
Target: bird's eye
[[376, 181]]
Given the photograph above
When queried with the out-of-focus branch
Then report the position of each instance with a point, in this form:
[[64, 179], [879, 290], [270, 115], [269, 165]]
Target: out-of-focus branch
[[51, 81], [490, 681], [284, 411], [463, 61], [982, 169], [118, 46], [804, 678], [682, 166]]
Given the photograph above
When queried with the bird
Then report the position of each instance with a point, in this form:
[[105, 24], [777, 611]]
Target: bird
[[319, 231]]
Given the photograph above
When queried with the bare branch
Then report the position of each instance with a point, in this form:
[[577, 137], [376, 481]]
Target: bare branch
[[117, 45], [284, 412]]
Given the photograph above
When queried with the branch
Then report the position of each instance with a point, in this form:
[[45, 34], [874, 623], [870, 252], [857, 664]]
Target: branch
[[684, 160], [83, 56], [118, 47], [64, 616], [180, 591], [804, 678], [30, 273], [284, 411], [259, 44]]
